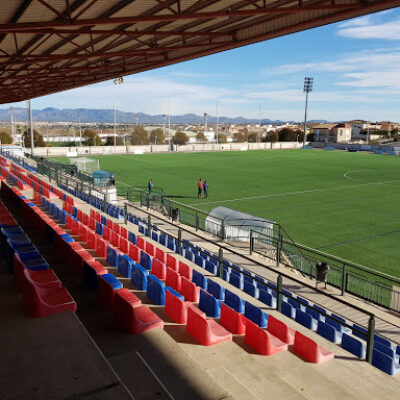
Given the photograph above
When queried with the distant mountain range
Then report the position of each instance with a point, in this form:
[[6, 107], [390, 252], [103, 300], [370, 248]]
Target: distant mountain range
[[106, 116]]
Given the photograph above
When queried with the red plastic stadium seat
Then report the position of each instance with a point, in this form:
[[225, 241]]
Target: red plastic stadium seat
[[40, 302], [134, 252], [189, 290], [172, 263], [115, 239], [85, 219], [124, 245], [206, 332], [159, 269], [310, 350], [150, 249], [101, 247], [124, 300], [232, 320], [107, 233], [116, 228], [176, 308], [43, 278], [262, 341], [185, 270], [124, 232], [140, 242], [279, 329], [92, 224], [105, 293], [173, 279], [91, 240], [83, 232], [140, 319], [160, 255]]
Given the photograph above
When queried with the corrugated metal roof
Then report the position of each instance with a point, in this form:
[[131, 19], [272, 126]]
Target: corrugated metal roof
[[48, 46]]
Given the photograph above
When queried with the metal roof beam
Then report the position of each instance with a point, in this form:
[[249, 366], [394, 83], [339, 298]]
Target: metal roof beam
[[225, 13]]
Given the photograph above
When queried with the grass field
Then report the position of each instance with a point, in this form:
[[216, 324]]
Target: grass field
[[346, 204]]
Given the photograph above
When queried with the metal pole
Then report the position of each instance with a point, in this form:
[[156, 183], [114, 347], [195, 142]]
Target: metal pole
[[370, 339], [217, 125], [251, 242], [180, 241], [220, 262], [305, 121], [80, 132], [115, 124], [31, 125], [279, 293], [149, 226], [125, 214], [344, 279], [169, 130]]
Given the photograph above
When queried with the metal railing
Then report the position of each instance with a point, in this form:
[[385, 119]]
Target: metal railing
[[349, 277]]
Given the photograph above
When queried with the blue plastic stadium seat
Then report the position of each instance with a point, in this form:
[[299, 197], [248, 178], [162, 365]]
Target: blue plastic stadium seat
[[267, 298], [383, 341], [171, 245], [209, 304], [236, 280], [319, 308], [125, 265], [315, 314], [99, 228], [294, 303], [329, 332], [210, 267], [156, 290], [306, 320], [250, 288], [199, 260], [255, 314], [288, 310], [236, 272], [384, 362], [112, 256], [389, 351], [199, 279], [139, 277], [234, 301], [343, 321], [189, 255], [142, 229], [155, 236], [163, 239], [145, 260], [112, 280], [215, 289], [356, 332], [132, 237]]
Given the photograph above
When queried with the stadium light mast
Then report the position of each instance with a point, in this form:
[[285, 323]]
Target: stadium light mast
[[308, 87], [169, 130], [115, 124], [80, 132], [163, 125], [217, 128], [31, 124]]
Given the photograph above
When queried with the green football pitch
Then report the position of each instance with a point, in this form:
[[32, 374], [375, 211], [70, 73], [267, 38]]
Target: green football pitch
[[345, 204]]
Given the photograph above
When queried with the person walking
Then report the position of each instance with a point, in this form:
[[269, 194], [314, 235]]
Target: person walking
[[205, 189], [150, 185], [200, 186]]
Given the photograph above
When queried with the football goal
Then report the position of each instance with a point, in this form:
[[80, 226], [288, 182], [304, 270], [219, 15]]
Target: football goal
[[85, 164]]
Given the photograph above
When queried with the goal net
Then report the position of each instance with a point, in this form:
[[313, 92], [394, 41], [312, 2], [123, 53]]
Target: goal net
[[85, 164]]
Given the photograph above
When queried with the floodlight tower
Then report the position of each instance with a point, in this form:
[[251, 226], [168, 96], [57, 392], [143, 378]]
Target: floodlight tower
[[31, 125], [115, 124], [308, 87], [163, 124], [217, 128], [205, 122]]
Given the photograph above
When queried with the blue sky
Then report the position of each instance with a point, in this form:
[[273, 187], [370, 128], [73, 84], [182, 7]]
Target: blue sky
[[355, 65]]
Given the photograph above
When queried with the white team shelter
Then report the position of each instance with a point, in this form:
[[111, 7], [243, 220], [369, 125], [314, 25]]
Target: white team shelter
[[237, 224]]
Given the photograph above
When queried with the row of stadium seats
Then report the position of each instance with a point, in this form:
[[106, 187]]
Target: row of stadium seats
[[42, 291]]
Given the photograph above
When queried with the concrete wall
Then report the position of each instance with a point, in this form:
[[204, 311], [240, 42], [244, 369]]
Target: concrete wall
[[104, 150]]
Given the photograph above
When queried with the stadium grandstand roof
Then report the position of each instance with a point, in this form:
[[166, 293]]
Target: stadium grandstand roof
[[47, 46]]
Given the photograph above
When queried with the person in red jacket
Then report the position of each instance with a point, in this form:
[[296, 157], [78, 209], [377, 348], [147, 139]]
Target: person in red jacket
[[200, 186]]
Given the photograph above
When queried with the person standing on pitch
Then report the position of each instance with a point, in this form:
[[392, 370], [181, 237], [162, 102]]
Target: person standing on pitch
[[200, 186], [150, 185], [205, 188]]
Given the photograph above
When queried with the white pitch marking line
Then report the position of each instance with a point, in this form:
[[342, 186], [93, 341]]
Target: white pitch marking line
[[236, 379], [155, 376], [299, 192]]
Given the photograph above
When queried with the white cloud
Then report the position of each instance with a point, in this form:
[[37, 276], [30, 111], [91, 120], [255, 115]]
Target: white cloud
[[385, 31]]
